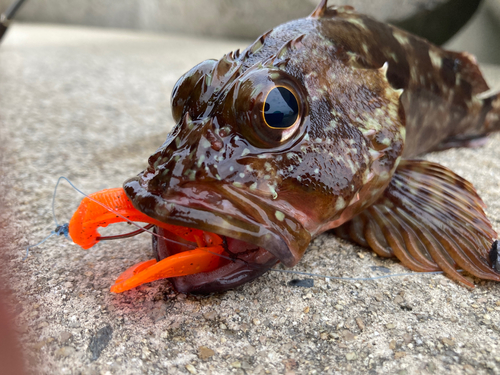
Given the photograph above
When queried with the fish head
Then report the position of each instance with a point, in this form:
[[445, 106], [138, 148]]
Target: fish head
[[271, 147]]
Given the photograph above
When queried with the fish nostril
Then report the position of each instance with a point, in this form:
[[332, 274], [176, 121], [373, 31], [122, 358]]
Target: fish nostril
[[215, 141]]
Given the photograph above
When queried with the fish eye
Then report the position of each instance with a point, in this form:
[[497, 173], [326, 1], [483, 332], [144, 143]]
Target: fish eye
[[281, 108]]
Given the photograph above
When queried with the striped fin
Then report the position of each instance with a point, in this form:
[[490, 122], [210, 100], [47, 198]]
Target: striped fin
[[430, 219]]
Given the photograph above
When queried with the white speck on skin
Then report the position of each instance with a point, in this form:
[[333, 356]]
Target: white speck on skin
[[279, 215], [400, 37], [200, 161], [384, 175], [436, 60], [273, 191], [386, 141], [246, 151], [339, 204], [357, 21], [205, 143]]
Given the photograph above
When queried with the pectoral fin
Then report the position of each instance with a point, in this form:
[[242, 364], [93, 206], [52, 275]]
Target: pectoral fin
[[430, 219]]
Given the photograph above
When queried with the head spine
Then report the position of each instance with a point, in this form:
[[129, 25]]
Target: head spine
[[320, 9]]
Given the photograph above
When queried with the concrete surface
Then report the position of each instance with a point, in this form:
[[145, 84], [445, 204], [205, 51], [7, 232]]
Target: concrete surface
[[234, 18], [92, 105]]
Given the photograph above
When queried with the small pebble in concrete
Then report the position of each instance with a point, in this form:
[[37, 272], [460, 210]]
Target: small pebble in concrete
[[250, 350], [347, 335], [64, 337], [408, 338], [398, 355], [64, 352], [360, 323], [204, 353], [448, 342], [236, 364], [351, 356], [99, 341], [210, 315], [398, 299], [306, 283]]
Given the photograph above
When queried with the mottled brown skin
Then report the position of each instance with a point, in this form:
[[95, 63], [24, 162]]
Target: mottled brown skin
[[270, 191]]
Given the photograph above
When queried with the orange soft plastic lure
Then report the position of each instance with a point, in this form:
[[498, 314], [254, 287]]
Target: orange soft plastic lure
[[91, 215]]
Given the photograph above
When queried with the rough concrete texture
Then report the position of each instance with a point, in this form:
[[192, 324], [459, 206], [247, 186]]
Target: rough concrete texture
[[92, 105], [235, 18]]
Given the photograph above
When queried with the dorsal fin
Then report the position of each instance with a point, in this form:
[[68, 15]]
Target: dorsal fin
[[320, 9]]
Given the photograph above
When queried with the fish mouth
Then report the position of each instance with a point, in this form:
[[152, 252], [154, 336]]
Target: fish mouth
[[254, 239], [207, 239], [241, 262], [223, 211]]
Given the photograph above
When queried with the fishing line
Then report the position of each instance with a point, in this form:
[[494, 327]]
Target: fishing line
[[360, 278], [64, 228]]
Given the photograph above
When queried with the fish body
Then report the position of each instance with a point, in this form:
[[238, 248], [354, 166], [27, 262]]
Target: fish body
[[310, 128]]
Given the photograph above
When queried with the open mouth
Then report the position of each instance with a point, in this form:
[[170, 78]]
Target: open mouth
[[195, 260], [238, 263]]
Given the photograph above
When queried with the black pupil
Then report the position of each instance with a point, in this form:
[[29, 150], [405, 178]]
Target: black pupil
[[281, 108]]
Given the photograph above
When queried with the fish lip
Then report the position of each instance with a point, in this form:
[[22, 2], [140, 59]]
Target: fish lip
[[231, 220]]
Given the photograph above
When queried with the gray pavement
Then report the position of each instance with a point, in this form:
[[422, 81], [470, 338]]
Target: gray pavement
[[92, 105]]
